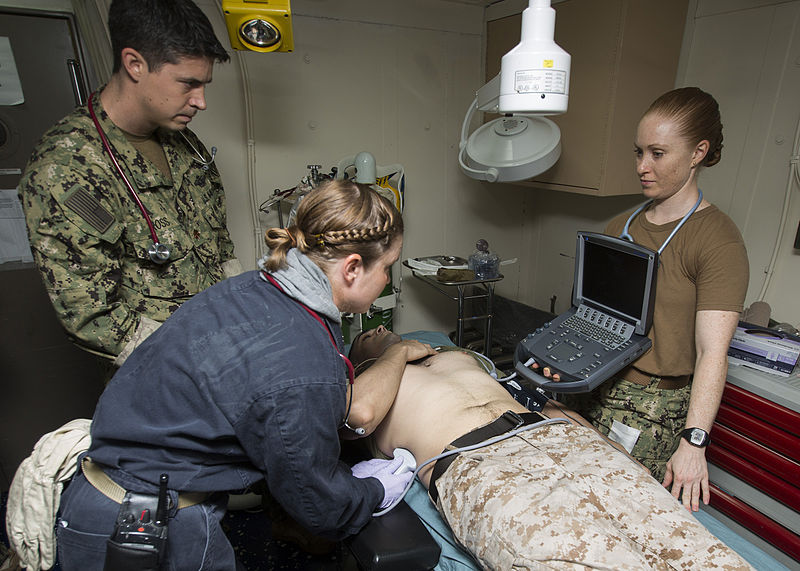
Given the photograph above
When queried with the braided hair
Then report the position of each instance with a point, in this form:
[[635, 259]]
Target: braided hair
[[336, 219]]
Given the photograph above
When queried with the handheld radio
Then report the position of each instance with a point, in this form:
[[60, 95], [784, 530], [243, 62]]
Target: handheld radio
[[139, 540]]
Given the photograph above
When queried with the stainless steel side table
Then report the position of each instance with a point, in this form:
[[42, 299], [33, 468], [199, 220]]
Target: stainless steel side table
[[443, 287]]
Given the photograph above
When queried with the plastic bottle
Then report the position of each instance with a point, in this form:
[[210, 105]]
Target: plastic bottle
[[485, 264]]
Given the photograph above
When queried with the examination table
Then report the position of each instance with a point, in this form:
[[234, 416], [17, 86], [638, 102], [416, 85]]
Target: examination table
[[400, 543]]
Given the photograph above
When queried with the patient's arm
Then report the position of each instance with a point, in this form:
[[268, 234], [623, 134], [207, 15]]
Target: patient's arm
[[375, 389]]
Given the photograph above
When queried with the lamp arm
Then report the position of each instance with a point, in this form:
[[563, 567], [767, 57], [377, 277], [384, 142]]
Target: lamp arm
[[491, 173], [467, 120]]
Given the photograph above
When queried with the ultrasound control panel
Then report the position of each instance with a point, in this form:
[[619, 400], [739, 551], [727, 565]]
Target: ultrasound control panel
[[598, 326], [585, 346]]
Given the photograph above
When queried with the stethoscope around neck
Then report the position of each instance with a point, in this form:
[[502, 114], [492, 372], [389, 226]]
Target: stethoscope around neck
[[626, 235], [158, 252]]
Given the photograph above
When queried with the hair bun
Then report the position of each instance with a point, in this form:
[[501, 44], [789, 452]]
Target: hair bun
[[713, 157]]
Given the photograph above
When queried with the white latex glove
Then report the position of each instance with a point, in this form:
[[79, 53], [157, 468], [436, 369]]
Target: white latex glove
[[384, 471], [145, 328]]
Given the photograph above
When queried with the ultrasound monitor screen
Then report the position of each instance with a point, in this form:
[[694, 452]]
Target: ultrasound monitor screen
[[614, 279]]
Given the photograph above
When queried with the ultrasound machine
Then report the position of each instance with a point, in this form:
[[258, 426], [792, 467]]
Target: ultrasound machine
[[606, 327]]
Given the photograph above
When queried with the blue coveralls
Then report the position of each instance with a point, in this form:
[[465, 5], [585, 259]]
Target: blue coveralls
[[240, 384]]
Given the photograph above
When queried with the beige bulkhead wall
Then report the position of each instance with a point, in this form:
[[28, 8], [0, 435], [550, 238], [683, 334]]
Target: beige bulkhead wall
[[367, 75], [377, 76], [748, 54]]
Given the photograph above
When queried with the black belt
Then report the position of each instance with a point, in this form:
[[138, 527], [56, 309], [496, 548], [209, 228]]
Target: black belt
[[508, 421]]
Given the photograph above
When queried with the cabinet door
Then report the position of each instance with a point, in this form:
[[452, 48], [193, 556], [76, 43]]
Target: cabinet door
[[44, 45], [45, 380], [624, 54]]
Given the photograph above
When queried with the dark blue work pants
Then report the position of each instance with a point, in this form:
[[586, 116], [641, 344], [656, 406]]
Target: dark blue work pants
[[86, 519]]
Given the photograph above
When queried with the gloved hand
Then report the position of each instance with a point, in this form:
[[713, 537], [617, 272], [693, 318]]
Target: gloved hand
[[384, 471]]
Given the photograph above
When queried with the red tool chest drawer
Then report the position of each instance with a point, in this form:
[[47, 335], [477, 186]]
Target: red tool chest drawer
[[757, 441], [780, 416], [750, 518]]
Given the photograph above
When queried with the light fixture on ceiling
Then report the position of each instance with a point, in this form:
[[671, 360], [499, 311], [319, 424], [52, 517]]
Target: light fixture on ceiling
[[533, 81], [260, 26]]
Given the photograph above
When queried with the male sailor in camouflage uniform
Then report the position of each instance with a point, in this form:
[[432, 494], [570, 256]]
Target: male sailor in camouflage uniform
[[89, 237]]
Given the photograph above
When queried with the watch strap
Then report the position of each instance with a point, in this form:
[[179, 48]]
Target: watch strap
[[689, 432]]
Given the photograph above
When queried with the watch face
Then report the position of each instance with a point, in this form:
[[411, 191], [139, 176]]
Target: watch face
[[697, 437]]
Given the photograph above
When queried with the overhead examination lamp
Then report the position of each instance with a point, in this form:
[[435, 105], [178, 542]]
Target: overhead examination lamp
[[533, 81], [259, 25]]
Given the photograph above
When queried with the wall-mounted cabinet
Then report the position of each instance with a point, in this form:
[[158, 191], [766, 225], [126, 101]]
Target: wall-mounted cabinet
[[624, 54]]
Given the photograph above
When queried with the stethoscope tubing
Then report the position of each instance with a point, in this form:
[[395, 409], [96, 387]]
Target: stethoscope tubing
[[351, 372], [131, 190], [626, 235]]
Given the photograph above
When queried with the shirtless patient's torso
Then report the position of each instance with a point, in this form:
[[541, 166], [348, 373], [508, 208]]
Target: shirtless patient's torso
[[440, 399]]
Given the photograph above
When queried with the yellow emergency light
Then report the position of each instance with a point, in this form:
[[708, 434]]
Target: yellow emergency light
[[259, 26]]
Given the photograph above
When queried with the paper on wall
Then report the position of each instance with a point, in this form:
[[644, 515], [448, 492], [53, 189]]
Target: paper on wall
[[14, 245], [10, 85]]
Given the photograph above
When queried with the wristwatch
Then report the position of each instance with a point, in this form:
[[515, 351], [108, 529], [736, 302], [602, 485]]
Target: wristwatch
[[696, 437]]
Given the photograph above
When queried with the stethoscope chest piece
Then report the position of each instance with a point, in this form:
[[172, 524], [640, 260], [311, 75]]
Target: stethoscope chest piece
[[158, 253]]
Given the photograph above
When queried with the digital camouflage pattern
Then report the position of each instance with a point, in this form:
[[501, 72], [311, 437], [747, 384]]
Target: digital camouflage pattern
[[90, 240], [660, 415], [559, 497]]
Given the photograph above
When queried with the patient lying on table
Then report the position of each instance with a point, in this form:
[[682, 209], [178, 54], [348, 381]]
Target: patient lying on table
[[558, 495]]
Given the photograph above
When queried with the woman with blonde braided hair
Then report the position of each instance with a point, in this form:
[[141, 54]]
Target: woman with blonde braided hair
[[338, 218], [247, 381]]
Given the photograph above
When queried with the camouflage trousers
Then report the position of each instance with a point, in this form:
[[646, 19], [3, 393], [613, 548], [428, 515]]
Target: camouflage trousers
[[560, 497], [659, 414]]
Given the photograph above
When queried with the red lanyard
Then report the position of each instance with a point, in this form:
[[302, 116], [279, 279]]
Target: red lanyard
[[351, 374]]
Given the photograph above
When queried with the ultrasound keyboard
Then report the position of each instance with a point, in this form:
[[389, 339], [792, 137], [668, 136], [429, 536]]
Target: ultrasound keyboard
[[599, 326]]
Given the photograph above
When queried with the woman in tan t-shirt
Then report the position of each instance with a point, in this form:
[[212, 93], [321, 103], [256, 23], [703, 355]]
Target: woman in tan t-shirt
[[662, 407]]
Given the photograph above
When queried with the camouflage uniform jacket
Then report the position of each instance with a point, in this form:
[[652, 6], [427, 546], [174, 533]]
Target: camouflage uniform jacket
[[90, 240]]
